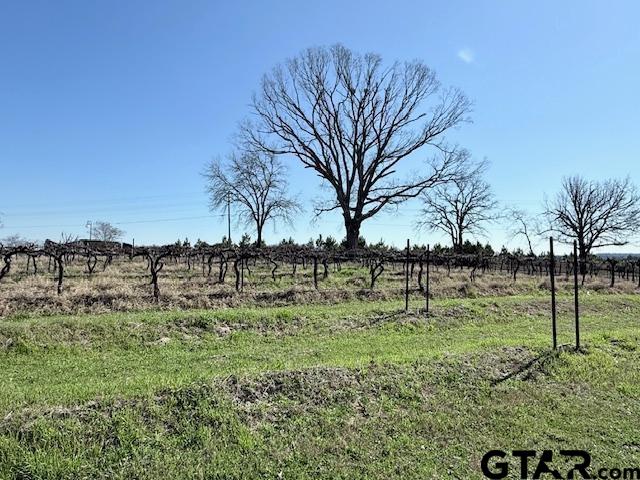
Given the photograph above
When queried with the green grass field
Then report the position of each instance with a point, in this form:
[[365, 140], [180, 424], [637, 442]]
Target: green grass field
[[354, 390]]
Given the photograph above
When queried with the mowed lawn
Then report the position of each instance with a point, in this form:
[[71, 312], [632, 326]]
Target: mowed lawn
[[355, 390]]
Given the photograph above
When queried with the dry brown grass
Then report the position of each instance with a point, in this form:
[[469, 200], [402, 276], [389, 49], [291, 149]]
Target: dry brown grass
[[124, 286]]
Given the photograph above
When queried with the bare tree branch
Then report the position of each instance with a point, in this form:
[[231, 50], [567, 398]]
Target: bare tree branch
[[595, 214], [106, 232], [463, 206], [256, 184], [352, 120], [521, 224]]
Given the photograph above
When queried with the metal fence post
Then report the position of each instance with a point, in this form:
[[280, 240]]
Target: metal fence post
[[552, 275], [406, 281], [575, 292], [426, 288]]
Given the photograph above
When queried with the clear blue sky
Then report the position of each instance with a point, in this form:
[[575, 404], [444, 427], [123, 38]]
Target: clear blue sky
[[109, 110]]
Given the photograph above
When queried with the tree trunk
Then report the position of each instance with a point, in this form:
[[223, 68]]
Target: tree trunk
[[259, 239], [459, 246], [582, 256], [6, 267], [60, 262], [156, 288], [353, 233]]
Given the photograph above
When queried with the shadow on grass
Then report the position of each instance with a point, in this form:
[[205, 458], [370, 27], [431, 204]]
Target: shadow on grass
[[537, 365]]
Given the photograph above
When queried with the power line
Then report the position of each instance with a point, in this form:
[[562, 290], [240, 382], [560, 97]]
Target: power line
[[157, 220], [119, 200], [170, 219], [105, 210]]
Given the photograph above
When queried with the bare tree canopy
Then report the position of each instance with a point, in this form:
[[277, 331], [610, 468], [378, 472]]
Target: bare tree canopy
[[68, 237], [595, 214], [463, 206], [106, 232], [520, 223], [352, 120], [256, 184], [15, 240]]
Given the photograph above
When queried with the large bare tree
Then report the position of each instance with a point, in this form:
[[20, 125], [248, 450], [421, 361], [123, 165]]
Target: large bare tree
[[461, 207], [353, 120], [595, 214], [256, 183]]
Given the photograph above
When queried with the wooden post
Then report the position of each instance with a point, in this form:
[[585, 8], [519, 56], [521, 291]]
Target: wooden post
[[426, 285], [575, 292], [552, 275], [406, 281]]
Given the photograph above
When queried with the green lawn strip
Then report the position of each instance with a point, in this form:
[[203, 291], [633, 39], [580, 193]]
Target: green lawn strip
[[432, 418], [70, 375], [131, 330]]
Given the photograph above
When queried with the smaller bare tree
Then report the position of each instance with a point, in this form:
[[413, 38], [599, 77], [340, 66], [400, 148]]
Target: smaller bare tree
[[106, 232], [68, 238], [15, 240], [520, 223], [463, 206], [595, 214], [256, 185]]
